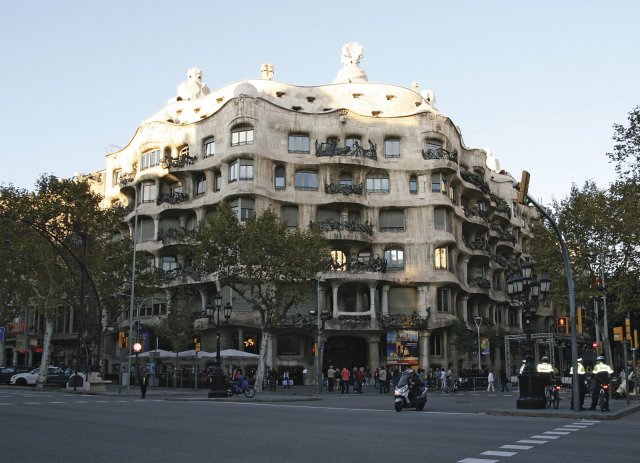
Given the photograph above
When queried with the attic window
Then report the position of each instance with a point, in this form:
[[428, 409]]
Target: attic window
[[310, 99], [375, 113], [357, 95], [418, 103], [219, 100], [296, 108], [279, 94], [390, 97]]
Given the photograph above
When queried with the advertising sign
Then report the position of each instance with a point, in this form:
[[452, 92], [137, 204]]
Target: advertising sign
[[485, 346], [402, 347]]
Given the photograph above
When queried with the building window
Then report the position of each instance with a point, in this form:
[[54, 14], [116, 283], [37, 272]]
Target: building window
[[306, 180], [184, 151], [392, 148], [149, 192], [377, 183], [452, 195], [433, 146], [444, 299], [169, 263], [350, 141], [497, 314], [496, 281], [364, 256], [149, 159], [209, 147], [481, 205], [279, 180], [115, 178], [289, 215], [217, 181], [392, 221], [442, 259], [289, 346], [175, 188], [346, 179], [159, 308], [299, 144], [435, 341], [394, 259], [241, 169], [244, 208], [242, 136], [201, 185], [338, 260], [438, 183], [413, 185], [442, 219]]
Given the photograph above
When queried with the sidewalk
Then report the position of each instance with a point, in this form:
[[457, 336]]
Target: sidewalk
[[618, 410]]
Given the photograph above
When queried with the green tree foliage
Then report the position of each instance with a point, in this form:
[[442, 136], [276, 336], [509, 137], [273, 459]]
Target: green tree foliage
[[626, 151], [267, 264]]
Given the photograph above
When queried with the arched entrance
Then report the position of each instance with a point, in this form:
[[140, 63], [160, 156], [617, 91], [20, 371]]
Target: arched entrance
[[345, 351]]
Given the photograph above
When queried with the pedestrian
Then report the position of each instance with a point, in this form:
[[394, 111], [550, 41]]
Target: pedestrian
[[490, 380], [382, 377], [359, 379], [504, 381], [345, 379], [273, 380], [337, 380], [331, 379], [443, 381], [285, 379], [144, 382]]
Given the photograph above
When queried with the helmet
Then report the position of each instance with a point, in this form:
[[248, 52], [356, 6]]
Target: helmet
[[600, 358], [579, 360], [545, 359]]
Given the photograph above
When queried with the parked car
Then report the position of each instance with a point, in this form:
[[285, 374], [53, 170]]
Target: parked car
[[56, 376], [7, 372]]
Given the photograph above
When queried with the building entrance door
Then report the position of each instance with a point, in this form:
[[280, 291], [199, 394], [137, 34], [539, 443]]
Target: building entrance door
[[345, 351]]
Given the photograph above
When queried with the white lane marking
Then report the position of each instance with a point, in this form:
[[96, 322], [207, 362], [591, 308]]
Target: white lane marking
[[516, 447], [6, 403], [33, 403], [589, 422], [496, 453], [566, 429], [258, 404], [575, 426], [477, 460], [538, 436], [56, 402], [530, 441], [559, 433]]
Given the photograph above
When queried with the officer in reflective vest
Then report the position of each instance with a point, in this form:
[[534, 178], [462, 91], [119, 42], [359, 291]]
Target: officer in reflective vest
[[601, 371], [546, 370]]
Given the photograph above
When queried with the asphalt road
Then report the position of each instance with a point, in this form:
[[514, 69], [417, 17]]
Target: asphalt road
[[55, 426]]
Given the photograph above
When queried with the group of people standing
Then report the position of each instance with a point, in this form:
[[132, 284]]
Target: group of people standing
[[344, 378]]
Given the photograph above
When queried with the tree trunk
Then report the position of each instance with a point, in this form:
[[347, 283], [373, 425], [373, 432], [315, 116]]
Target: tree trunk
[[262, 361], [46, 345]]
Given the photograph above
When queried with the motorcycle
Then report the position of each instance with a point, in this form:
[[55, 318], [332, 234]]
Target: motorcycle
[[405, 397], [241, 387]]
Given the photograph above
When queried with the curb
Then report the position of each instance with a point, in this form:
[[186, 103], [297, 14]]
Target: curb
[[586, 414], [245, 399]]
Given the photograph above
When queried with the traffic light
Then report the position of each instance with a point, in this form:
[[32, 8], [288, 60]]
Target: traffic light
[[579, 325], [523, 187], [627, 324], [617, 334], [123, 339], [562, 325]]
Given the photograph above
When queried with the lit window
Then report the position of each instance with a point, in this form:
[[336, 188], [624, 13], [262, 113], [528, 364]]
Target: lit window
[[279, 181], [392, 148], [209, 147], [306, 180], [442, 259], [242, 136], [444, 299], [149, 159], [378, 183], [242, 169], [394, 259], [413, 185], [338, 260], [299, 144]]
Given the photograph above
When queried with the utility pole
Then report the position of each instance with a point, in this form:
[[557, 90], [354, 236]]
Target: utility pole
[[605, 334]]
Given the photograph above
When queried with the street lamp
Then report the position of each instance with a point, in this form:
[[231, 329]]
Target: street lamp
[[525, 288], [321, 317], [478, 322], [217, 383]]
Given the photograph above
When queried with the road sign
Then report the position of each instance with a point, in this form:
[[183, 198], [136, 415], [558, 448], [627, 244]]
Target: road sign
[[2, 330]]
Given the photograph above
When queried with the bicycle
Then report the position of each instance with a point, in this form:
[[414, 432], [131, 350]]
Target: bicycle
[[552, 395], [241, 388]]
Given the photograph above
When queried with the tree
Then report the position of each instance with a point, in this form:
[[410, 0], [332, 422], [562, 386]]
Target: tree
[[626, 152], [267, 264]]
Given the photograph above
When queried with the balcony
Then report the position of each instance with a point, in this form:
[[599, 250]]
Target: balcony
[[346, 190], [172, 198], [332, 224], [440, 153], [477, 180], [353, 264], [330, 148], [180, 161]]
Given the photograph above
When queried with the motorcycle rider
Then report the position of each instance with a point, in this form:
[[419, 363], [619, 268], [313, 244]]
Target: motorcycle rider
[[414, 384], [582, 382], [601, 372]]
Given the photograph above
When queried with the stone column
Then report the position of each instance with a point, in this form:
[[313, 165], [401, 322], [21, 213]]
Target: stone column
[[445, 348], [241, 339], [422, 299], [374, 354], [424, 338], [385, 299], [372, 301], [334, 288]]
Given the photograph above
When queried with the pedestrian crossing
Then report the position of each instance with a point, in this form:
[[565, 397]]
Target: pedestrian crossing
[[532, 442]]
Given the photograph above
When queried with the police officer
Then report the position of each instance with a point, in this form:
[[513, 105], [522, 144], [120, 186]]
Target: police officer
[[545, 369], [582, 383], [601, 372]]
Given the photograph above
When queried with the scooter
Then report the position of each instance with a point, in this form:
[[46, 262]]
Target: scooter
[[405, 397]]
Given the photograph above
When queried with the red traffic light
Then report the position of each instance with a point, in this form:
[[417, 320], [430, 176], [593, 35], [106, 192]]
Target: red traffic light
[[595, 344]]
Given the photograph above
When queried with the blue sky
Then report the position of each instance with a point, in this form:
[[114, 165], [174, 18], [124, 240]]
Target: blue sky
[[541, 83]]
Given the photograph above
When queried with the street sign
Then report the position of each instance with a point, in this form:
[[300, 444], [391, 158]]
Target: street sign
[[2, 330]]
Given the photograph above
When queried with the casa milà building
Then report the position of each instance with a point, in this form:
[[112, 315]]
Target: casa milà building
[[423, 229]]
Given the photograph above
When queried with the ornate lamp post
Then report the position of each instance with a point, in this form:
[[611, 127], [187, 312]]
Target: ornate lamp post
[[217, 382], [525, 288]]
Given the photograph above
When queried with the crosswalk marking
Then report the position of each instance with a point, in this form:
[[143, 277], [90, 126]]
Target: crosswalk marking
[[530, 441], [544, 436], [497, 453], [516, 447]]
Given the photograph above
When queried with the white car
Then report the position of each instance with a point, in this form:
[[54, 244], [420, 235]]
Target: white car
[[56, 376]]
